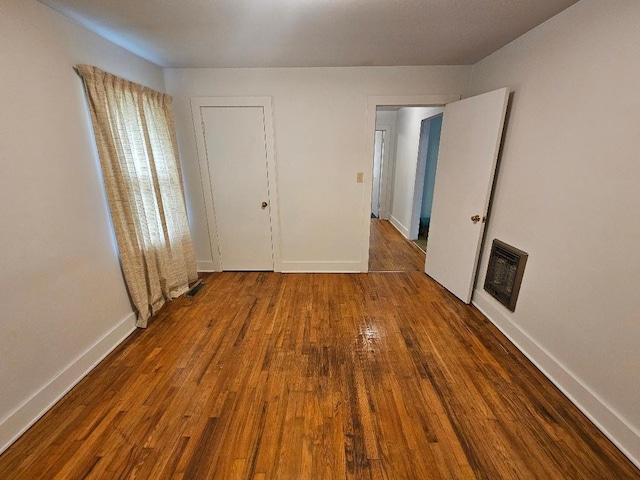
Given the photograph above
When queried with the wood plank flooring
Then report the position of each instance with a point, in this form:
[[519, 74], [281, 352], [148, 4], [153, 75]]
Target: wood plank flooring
[[315, 376], [389, 251]]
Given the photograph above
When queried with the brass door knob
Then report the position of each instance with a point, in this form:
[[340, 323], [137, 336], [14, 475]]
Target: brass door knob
[[475, 218], [264, 205]]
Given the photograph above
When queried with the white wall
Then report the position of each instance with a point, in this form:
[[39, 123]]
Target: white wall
[[62, 297], [406, 161], [320, 123], [568, 193]]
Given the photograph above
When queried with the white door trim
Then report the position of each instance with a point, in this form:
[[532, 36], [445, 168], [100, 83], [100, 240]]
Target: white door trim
[[266, 103], [373, 102]]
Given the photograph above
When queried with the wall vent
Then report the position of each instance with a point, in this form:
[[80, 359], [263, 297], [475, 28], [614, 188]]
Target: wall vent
[[504, 274]]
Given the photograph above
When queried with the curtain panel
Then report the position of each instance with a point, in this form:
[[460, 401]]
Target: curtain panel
[[135, 136]]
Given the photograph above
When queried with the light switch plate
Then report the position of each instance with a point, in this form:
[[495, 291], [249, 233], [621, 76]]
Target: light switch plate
[[360, 177]]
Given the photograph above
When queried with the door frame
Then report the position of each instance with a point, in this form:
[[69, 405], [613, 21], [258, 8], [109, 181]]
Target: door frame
[[197, 103], [373, 102]]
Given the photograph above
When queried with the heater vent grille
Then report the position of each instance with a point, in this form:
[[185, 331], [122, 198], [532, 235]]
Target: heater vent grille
[[504, 274]]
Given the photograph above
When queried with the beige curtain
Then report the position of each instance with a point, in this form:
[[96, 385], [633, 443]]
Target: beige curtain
[[135, 135]]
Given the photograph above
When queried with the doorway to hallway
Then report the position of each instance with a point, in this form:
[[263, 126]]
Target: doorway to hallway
[[390, 251]]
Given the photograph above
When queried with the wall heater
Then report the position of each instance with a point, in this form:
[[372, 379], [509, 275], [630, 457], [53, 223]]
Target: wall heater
[[504, 274]]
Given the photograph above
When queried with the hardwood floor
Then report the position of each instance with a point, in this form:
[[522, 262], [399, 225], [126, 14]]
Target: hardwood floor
[[389, 251], [315, 376]]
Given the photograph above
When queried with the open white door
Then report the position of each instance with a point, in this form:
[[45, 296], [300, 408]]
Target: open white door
[[469, 146]]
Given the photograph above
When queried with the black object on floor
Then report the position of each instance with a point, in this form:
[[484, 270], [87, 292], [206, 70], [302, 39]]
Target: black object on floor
[[193, 291]]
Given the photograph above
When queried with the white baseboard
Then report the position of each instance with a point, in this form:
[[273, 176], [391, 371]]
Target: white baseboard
[[322, 267], [624, 436], [17, 422], [399, 226], [206, 266]]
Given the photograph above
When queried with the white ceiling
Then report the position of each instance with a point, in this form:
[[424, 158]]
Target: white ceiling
[[310, 33]]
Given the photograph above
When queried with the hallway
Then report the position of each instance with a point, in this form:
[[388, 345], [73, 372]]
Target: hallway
[[389, 251]]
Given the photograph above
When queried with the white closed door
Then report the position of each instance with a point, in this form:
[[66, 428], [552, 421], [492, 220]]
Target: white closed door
[[469, 146], [236, 153], [377, 170]]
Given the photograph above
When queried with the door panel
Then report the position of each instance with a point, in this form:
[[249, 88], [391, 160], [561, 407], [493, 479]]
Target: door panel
[[236, 155], [377, 169], [469, 145]]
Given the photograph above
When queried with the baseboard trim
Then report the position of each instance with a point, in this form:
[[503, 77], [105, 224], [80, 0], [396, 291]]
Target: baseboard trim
[[206, 267], [624, 436], [399, 226], [21, 419], [322, 267]]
